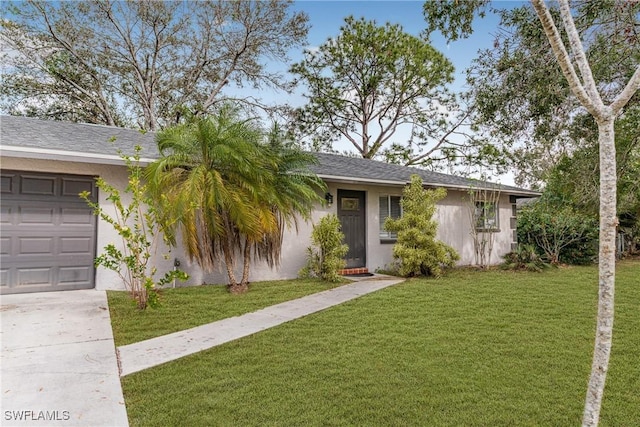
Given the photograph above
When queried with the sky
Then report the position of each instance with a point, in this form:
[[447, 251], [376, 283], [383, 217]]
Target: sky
[[326, 17]]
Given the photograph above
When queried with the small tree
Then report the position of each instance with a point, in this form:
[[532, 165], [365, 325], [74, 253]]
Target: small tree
[[139, 227], [326, 259], [483, 216], [232, 190], [559, 232], [417, 249]]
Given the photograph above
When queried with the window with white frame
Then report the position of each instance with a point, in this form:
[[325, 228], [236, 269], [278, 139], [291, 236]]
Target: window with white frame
[[389, 207], [487, 216]]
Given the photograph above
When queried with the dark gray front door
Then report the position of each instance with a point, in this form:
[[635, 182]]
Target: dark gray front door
[[352, 214], [47, 233]]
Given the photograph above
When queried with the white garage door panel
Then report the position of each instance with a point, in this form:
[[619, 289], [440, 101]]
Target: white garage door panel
[[48, 233]]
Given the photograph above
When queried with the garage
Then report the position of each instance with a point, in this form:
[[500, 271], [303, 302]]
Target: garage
[[47, 233]]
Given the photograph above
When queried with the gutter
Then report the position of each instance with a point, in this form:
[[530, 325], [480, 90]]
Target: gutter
[[354, 180], [68, 156]]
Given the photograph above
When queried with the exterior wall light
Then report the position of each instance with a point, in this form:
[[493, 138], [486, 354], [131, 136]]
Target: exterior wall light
[[329, 198]]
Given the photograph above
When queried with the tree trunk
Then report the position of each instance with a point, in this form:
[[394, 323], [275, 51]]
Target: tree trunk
[[239, 288], [233, 286], [246, 262], [607, 265]]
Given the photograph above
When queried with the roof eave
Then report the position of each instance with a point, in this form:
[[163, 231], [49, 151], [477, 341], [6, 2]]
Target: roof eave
[[63, 155], [110, 159], [353, 180]]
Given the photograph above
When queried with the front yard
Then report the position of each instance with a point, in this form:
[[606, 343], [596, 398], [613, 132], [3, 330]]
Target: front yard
[[184, 308], [473, 348]]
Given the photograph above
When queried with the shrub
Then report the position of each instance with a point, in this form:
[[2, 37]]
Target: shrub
[[417, 249], [326, 259], [139, 227], [524, 257], [559, 232], [391, 269]]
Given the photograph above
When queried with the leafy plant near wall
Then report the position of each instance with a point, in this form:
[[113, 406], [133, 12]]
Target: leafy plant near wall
[[526, 258], [558, 231], [417, 249], [326, 257], [139, 227]]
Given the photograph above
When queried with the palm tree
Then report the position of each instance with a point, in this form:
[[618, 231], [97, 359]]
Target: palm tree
[[292, 194], [228, 192]]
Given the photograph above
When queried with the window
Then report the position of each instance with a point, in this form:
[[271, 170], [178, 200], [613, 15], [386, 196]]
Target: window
[[389, 207], [487, 216]]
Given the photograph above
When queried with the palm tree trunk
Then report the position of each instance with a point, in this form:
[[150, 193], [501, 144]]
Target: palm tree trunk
[[233, 286], [247, 262]]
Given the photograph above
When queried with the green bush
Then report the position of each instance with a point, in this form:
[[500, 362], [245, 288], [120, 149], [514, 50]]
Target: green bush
[[524, 257], [559, 232], [326, 258], [417, 249]]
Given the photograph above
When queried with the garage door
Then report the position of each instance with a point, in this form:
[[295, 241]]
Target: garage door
[[47, 233]]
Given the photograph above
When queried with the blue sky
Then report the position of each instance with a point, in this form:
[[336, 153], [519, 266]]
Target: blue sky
[[326, 17]]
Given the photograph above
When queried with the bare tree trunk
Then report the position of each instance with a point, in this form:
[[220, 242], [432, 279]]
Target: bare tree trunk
[[607, 263], [247, 262], [233, 285]]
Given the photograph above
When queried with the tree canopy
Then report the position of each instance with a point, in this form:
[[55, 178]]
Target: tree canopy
[[381, 89], [520, 93], [142, 63]]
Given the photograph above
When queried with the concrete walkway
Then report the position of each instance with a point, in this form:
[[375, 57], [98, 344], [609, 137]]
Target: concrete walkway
[[58, 361], [146, 354]]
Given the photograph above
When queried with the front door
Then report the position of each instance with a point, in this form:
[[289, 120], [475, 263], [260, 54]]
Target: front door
[[352, 214]]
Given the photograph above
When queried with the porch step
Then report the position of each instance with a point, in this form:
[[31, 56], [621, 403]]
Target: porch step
[[348, 271]]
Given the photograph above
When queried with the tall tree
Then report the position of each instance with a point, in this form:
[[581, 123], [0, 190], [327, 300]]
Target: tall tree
[[580, 77], [374, 85], [141, 63], [548, 137], [521, 94], [229, 192], [604, 102]]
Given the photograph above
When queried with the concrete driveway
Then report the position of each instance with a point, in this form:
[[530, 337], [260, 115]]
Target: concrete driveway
[[58, 361]]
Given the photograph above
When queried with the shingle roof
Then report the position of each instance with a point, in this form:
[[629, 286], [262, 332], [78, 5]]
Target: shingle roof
[[22, 136], [364, 170], [30, 133]]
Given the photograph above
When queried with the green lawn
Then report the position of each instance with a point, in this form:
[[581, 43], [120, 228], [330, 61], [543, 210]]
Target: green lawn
[[470, 349], [184, 308]]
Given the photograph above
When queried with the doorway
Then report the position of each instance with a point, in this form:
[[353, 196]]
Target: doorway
[[352, 215]]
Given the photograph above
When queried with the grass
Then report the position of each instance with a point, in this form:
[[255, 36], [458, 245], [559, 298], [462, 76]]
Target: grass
[[473, 348], [184, 308]]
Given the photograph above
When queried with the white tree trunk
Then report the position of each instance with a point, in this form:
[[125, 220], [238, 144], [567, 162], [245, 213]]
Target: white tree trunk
[[605, 117], [607, 264]]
